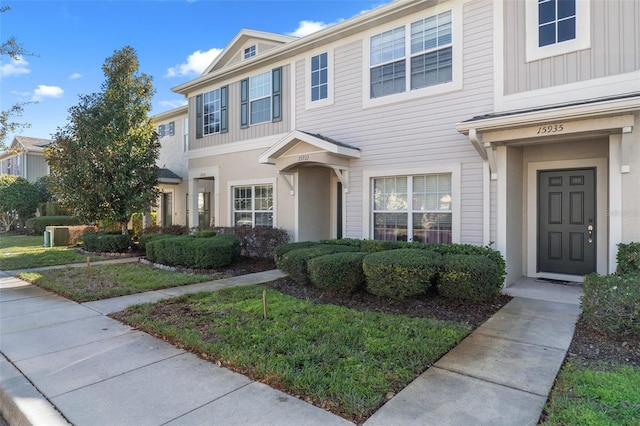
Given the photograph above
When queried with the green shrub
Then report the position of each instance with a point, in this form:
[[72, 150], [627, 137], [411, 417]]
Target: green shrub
[[191, 252], [204, 233], [282, 249], [351, 242], [468, 277], [106, 242], [612, 303], [76, 233], [257, 242], [294, 262], [37, 225], [339, 272], [469, 249], [171, 229], [628, 258], [146, 238], [402, 273], [374, 246]]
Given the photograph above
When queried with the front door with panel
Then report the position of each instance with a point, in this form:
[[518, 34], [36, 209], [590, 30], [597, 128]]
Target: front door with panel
[[567, 221]]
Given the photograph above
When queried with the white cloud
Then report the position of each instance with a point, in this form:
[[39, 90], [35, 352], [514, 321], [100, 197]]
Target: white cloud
[[308, 27], [75, 75], [21, 94], [196, 63], [15, 67], [47, 92], [173, 104]]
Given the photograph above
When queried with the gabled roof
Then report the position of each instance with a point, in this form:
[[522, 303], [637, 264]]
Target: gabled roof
[[319, 142], [167, 176], [240, 39], [30, 144]]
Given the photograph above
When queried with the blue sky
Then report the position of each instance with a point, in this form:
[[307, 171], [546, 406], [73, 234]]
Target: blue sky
[[175, 40]]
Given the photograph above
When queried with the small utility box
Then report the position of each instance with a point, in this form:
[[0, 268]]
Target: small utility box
[[58, 236], [47, 239]]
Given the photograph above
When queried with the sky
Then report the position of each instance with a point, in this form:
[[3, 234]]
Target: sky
[[175, 40]]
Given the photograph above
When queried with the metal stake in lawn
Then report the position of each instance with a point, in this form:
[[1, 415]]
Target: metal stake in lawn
[[264, 304], [88, 267]]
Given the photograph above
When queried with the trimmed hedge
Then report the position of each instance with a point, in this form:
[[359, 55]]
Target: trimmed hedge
[[191, 252], [468, 277], [146, 238], [339, 272], [258, 242], [628, 258], [283, 249], [106, 242], [294, 262], [402, 273], [204, 233], [37, 225], [611, 303]]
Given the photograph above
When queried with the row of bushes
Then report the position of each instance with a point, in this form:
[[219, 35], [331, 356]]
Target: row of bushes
[[459, 270], [254, 242], [612, 303], [107, 242], [200, 251], [37, 225]]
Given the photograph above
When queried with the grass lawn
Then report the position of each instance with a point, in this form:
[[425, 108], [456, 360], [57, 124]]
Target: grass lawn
[[600, 396], [110, 280], [340, 359], [25, 251]]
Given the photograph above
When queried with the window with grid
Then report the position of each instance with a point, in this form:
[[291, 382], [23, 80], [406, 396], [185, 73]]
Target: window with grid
[[250, 52], [556, 21], [211, 112], [413, 208], [429, 62], [253, 205], [319, 77], [260, 97]]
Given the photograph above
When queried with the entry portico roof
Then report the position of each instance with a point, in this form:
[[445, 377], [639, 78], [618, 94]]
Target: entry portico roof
[[315, 148]]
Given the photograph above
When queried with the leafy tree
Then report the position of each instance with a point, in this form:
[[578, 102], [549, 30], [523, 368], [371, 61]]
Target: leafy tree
[[103, 162], [13, 50], [18, 200]]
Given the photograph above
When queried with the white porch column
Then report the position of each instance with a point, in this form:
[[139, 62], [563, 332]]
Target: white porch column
[[615, 200], [193, 202]]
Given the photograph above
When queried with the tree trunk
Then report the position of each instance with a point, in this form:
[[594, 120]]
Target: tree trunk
[[124, 224]]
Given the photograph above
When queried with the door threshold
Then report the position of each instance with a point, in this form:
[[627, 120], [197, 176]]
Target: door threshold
[[561, 282]]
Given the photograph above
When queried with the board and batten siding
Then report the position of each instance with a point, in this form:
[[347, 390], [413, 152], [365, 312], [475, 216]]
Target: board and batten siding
[[615, 43], [36, 167], [411, 134], [235, 133]]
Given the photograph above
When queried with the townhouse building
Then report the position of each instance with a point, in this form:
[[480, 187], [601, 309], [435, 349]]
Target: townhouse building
[[25, 158], [464, 121]]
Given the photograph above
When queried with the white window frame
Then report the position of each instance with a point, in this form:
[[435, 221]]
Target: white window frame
[[231, 185], [310, 104], [251, 99], [367, 202], [456, 82], [211, 113], [249, 52], [185, 134], [581, 42]]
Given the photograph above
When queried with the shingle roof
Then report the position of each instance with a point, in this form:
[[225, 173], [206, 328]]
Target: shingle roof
[[32, 144], [328, 139], [167, 176]]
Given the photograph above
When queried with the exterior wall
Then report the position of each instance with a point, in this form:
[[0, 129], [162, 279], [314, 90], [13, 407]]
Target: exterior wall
[[415, 134], [514, 222], [36, 167], [615, 43], [173, 157], [314, 212], [261, 47], [235, 133], [630, 212]]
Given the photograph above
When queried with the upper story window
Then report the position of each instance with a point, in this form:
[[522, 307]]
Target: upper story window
[[166, 129], [211, 112], [261, 98], [429, 61], [556, 27], [185, 136], [250, 52], [556, 21], [319, 77]]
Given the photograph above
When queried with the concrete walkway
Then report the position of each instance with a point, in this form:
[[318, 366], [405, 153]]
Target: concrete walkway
[[67, 362]]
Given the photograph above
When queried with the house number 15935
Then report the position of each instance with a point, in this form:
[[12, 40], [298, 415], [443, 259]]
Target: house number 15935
[[550, 128]]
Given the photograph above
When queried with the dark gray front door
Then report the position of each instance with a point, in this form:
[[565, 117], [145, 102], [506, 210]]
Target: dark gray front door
[[567, 221]]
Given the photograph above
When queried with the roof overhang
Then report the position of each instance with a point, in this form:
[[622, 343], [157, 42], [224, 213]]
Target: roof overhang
[[301, 148], [552, 124], [166, 176]]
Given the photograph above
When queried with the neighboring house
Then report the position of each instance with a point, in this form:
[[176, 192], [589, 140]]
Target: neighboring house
[[516, 123], [173, 135], [25, 158]]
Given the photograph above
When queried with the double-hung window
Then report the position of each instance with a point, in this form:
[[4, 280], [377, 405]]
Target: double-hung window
[[427, 62], [556, 21], [413, 208], [261, 98], [253, 205], [319, 77], [211, 112]]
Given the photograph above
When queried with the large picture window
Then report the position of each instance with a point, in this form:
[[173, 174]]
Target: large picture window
[[413, 208], [428, 63], [253, 205]]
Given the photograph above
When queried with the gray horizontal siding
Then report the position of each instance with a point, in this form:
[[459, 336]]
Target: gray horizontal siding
[[615, 43]]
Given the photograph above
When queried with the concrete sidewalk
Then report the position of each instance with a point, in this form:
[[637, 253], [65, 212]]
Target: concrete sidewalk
[[67, 362]]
